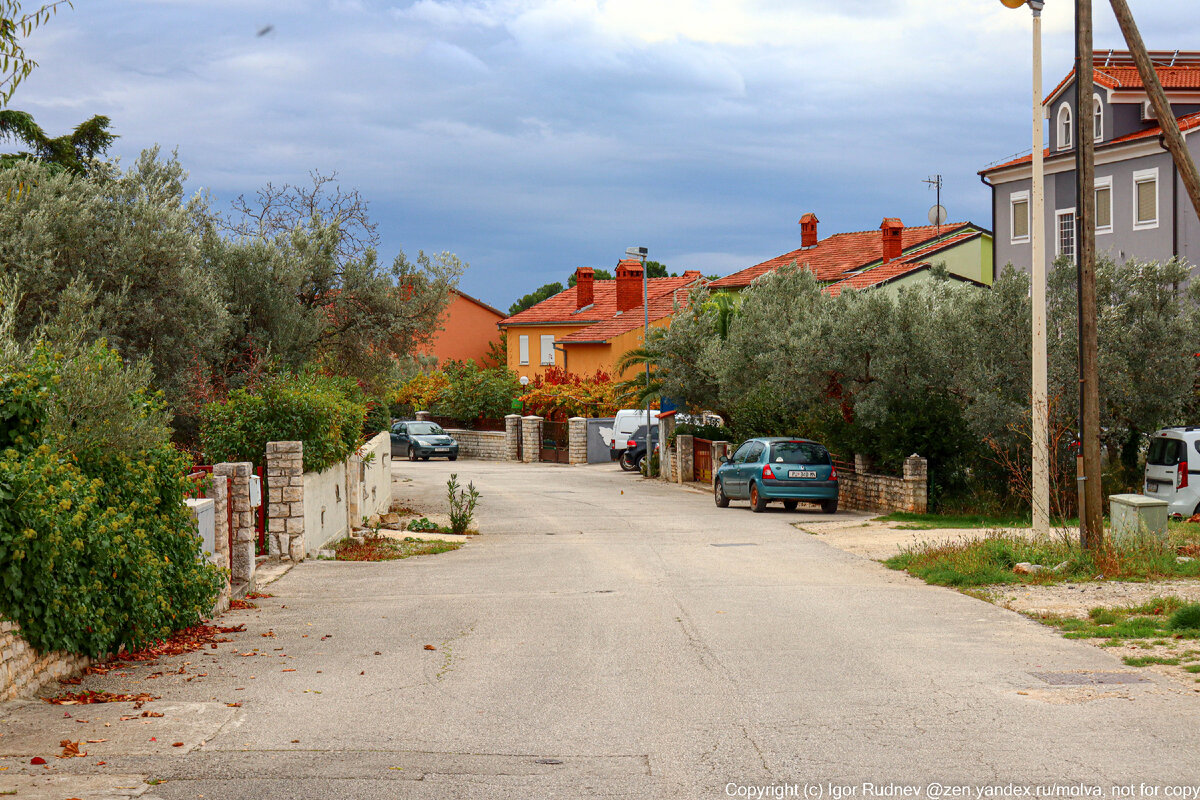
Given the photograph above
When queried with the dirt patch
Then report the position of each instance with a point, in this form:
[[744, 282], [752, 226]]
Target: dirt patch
[[1076, 599], [879, 540]]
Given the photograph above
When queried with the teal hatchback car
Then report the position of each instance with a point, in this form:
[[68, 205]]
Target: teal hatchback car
[[772, 469]]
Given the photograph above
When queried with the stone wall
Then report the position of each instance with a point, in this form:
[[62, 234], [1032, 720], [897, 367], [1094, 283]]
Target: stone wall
[[577, 440], [484, 445], [512, 437], [685, 456], [241, 565], [23, 670], [864, 491], [285, 503]]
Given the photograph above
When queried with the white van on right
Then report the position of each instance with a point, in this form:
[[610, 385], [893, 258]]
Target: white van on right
[[1173, 469]]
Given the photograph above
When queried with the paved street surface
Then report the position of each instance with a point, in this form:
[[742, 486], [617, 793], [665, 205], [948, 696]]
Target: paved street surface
[[612, 637]]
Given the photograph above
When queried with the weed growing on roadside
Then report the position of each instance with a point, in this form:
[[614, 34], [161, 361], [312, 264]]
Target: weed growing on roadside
[[462, 504], [1185, 618]]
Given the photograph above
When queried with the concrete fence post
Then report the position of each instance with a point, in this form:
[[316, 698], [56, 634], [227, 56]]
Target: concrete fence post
[[512, 437], [666, 466], [685, 444], [285, 509], [241, 559], [531, 439], [577, 440], [916, 484], [423, 416], [719, 450]]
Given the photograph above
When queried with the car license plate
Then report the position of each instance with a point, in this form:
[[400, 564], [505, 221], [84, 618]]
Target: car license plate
[[801, 473], [443, 449], [1151, 486]]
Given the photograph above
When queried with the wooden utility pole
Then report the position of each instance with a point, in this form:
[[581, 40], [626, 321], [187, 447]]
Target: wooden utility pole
[[1172, 138], [1091, 516]]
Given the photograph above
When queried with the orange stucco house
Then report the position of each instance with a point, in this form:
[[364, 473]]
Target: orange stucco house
[[466, 328], [588, 327]]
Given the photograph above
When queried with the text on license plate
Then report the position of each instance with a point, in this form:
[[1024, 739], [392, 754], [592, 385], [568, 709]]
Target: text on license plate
[[801, 473], [443, 449]]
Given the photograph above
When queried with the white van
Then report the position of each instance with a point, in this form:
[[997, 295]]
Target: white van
[[626, 422], [1173, 469]]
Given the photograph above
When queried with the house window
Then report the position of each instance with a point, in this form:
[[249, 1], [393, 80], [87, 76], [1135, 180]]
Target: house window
[[1064, 126], [1066, 232], [524, 340], [547, 349], [1097, 118], [1145, 199], [1104, 204], [1019, 217]]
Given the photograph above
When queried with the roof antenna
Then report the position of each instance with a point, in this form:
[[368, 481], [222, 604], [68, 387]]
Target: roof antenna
[[937, 214]]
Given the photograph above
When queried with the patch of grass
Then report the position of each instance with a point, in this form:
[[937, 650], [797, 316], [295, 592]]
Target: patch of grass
[[990, 560], [1150, 621], [1145, 661], [1192, 668], [382, 548], [929, 522], [1185, 618]]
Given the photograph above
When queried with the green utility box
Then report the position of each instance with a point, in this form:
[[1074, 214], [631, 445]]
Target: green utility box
[[1135, 516]]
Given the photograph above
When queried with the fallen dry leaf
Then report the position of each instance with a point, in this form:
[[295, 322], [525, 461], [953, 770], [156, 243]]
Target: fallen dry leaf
[[89, 697], [177, 744], [71, 749], [152, 713], [37, 761], [234, 705], [430, 647]]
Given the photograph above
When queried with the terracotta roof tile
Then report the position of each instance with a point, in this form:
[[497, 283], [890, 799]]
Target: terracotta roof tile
[[561, 307], [1115, 69], [633, 319], [1186, 123], [832, 257]]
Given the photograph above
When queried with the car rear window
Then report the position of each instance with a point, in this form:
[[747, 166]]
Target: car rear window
[[799, 453], [1166, 452]]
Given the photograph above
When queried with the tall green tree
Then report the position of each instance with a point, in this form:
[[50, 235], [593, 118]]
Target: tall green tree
[[536, 296], [73, 151]]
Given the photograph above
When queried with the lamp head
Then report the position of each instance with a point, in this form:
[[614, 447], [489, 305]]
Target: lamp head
[[1013, 3]]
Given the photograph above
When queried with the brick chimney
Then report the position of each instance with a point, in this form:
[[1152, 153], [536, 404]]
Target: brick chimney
[[808, 230], [584, 287], [893, 238], [629, 284]]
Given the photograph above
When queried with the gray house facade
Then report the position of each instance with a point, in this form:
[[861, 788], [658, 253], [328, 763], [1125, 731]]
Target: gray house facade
[[1142, 208]]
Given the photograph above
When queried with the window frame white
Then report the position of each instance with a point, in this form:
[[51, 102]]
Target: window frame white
[[1013, 199], [546, 355], [1146, 176], [523, 349], [1064, 142], [1097, 119], [1058, 215], [1104, 182]]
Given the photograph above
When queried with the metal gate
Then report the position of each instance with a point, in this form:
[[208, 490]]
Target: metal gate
[[555, 442], [702, 461]]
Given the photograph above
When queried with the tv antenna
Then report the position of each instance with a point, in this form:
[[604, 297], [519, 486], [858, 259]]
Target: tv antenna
[[937, 214]]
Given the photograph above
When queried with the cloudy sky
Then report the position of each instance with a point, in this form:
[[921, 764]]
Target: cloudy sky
[[534, 136]]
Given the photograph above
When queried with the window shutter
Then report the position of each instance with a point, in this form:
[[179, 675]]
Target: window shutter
[[548, 349], [524, 349], [1147, 201], [1104, 207], [1020, 224]]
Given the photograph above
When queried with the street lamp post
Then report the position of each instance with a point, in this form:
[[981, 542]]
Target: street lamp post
[[640, 254], [1039, 405], [524, 383]]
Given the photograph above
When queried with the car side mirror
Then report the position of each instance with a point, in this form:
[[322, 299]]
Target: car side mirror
[[724, 459]]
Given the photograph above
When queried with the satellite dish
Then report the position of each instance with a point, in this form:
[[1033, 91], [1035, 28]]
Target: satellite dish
[[938, 215]]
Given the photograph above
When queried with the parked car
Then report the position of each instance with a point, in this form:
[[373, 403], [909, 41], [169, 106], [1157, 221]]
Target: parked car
[[635, 448], [1173, 469], [417, 439], [771, 469], [625, 424]]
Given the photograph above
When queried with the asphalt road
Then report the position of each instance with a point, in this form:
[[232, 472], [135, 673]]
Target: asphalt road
[[608, 636]]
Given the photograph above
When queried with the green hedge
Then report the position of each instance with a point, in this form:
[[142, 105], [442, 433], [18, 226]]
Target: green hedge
[[325, 413], [98, 550]]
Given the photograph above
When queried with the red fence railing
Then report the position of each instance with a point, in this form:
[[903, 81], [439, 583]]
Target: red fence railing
[[702, 460]]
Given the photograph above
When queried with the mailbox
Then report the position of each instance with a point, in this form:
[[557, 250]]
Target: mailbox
[[255, 491]]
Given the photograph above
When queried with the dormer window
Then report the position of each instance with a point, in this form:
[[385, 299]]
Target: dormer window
[[1064, 126], [1097, 118]]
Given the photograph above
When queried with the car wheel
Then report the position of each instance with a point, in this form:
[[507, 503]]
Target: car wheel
[[790, 505], [719, 496], [627, 462], [412, 453], [424, 458], [829, 506], [757, 501]]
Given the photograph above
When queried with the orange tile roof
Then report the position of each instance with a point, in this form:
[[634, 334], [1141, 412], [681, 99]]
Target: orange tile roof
[[894, 269], [1186, 123], [832, 257], [561, 308], [633, 319], [1115, 69]]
